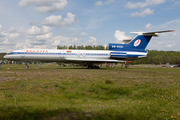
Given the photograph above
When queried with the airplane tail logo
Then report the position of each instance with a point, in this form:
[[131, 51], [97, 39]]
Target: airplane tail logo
[[137, 42]]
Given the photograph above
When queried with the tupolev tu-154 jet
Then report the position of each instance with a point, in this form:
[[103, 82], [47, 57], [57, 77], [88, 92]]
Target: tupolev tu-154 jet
[[135, 49]]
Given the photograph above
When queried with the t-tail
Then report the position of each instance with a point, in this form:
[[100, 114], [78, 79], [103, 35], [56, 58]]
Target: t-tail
[[138, 44]]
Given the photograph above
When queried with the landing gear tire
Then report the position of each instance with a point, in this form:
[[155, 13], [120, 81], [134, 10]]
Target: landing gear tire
[[89, 66], [96, 67], [126, 65], [93, 67]]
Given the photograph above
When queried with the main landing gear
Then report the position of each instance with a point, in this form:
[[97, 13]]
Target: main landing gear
[[93, 67]]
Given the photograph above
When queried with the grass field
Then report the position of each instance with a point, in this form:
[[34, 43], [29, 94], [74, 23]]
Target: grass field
[[53, 92]]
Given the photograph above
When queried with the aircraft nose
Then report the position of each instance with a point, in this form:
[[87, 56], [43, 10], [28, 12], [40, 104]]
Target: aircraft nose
[[6, 57]]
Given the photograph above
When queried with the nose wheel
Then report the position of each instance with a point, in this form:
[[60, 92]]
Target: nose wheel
[[27, 66]]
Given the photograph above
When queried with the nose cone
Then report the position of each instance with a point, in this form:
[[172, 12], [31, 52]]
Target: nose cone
[[6, 57]]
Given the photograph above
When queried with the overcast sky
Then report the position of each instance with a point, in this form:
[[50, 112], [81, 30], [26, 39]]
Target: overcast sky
[[48, 23]]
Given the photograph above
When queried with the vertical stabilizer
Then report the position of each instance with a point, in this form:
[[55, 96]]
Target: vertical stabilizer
[[139, 43]]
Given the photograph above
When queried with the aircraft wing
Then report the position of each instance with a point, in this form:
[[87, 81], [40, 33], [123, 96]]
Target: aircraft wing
[[92, 60]]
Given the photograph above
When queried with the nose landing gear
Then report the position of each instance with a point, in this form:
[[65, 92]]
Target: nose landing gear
[[26, 66]]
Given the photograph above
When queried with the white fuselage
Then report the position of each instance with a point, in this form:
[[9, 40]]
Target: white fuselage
[[46, 55]]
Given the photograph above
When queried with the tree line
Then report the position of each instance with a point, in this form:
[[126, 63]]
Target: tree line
[[160, 57], [2, 55], [82, 47], [153, 57]]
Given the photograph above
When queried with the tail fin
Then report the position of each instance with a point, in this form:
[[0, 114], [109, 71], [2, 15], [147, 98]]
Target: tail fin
[[139, 43]]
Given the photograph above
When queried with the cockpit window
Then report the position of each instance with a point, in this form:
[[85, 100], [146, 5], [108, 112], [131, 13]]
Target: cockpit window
[[10, 53]]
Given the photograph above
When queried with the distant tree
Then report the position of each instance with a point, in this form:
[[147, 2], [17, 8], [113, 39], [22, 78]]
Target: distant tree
[[100, 47], [107, 48], [74, 47], [62, 47], [71, 47], [2, 55], [89, 47]]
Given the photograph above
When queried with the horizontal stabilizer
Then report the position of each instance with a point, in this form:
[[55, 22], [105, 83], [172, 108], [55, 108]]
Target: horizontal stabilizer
[[151, 33]]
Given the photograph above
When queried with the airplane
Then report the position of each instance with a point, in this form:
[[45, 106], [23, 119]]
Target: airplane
[[135, 49]]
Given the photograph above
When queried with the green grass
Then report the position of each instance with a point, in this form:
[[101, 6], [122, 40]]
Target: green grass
[[53, 92]]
